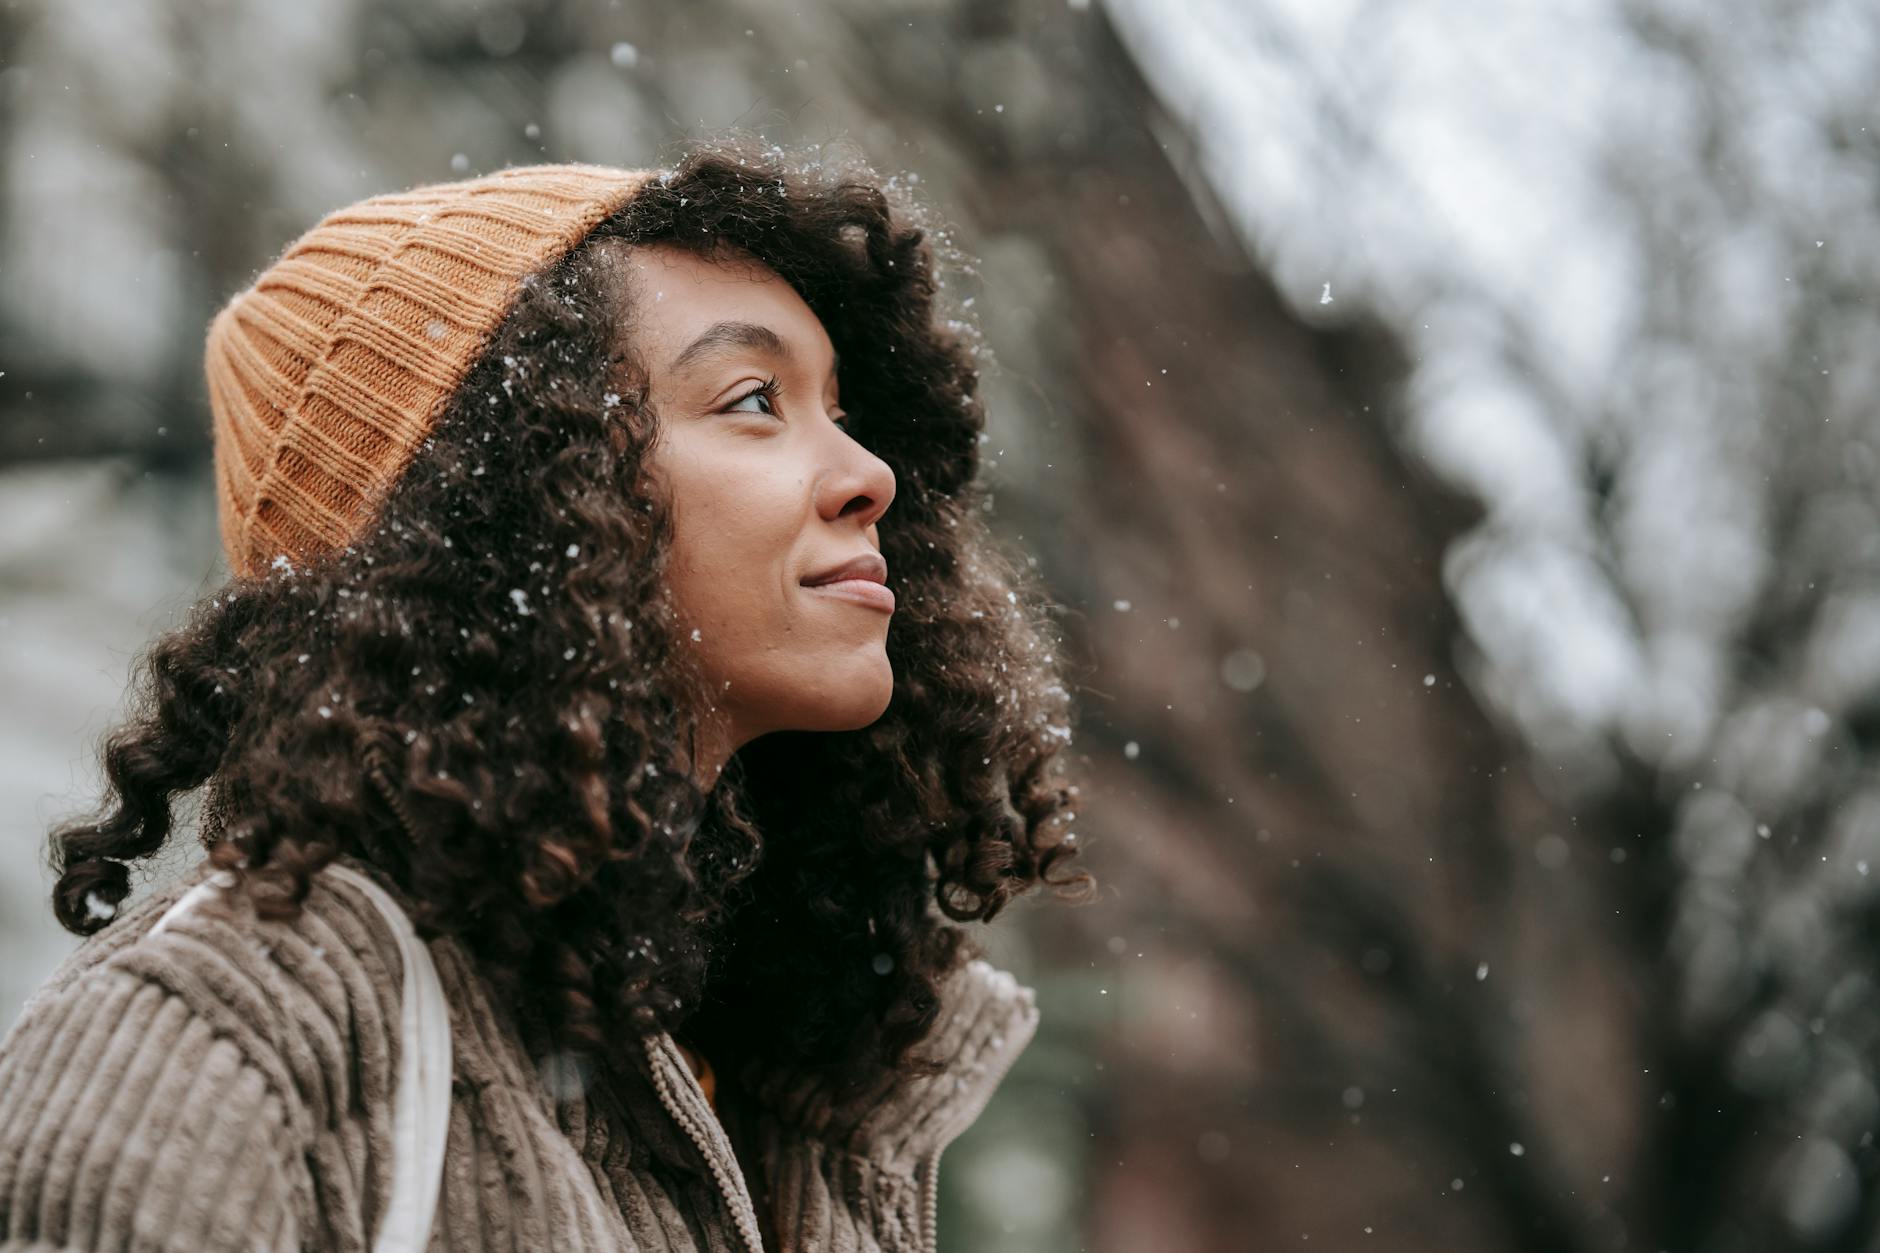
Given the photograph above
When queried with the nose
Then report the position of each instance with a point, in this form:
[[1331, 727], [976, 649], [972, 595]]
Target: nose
[[860, 486]]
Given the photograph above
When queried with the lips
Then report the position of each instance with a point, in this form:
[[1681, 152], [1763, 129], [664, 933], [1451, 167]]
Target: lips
[[870, 567], [862, 579]]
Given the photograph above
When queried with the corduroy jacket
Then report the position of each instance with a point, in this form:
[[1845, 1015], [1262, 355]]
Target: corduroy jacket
[[226, 1084]]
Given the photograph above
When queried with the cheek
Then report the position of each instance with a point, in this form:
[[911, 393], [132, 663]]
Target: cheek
[[737, 530]]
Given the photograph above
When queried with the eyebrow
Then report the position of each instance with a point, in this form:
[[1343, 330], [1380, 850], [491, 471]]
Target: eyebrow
[[724, 336]]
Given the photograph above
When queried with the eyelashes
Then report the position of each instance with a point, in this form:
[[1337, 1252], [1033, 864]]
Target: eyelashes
[[771, 390]]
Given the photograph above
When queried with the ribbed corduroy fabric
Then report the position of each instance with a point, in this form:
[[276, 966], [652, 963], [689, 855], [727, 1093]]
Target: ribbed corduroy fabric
[[226, 1085], [327, 373]]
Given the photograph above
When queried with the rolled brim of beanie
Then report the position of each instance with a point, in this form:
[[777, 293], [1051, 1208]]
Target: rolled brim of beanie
[[329, 371]]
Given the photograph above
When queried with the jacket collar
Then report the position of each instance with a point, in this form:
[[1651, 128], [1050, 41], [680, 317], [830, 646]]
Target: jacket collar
[[986, 1019]]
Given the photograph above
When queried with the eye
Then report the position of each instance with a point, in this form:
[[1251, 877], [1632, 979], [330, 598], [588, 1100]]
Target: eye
[[767, 393]]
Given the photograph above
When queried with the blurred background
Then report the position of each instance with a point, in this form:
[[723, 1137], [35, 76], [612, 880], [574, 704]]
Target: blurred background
[[1449, 428]]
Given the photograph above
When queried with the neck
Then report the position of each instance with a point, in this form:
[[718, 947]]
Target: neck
[[715, 744]]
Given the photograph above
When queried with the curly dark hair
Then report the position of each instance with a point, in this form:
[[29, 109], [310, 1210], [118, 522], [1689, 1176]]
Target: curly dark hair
[[485, 698]]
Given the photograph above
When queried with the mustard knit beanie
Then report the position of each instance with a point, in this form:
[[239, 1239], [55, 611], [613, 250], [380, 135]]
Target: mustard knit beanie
[[329, 371]]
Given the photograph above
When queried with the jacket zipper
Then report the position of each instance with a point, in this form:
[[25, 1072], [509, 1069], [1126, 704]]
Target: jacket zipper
[[735, 1195], [930, 1165], [930, 1203]]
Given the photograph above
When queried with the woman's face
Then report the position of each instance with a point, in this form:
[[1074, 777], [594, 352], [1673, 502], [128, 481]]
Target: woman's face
[[768, 492]]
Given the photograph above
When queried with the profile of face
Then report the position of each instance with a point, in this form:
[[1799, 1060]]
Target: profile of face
[[769, 491]]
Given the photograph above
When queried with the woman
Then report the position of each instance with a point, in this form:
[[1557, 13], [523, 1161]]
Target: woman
[[611, 600]]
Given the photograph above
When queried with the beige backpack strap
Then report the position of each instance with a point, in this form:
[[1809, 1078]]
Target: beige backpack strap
[[421, 1116]]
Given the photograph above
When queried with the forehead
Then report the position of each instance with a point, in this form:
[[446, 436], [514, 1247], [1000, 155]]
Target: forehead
[[679, 296]]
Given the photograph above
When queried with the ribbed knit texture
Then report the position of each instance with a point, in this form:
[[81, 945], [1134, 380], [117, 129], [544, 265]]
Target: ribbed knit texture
[[227, 1085], [327, 373]]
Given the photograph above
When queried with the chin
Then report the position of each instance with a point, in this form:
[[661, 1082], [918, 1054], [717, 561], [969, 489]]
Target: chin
[[852, 703], [853, 715]]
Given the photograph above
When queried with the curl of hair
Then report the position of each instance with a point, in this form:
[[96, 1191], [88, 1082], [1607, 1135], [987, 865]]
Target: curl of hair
[[485, 695]]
